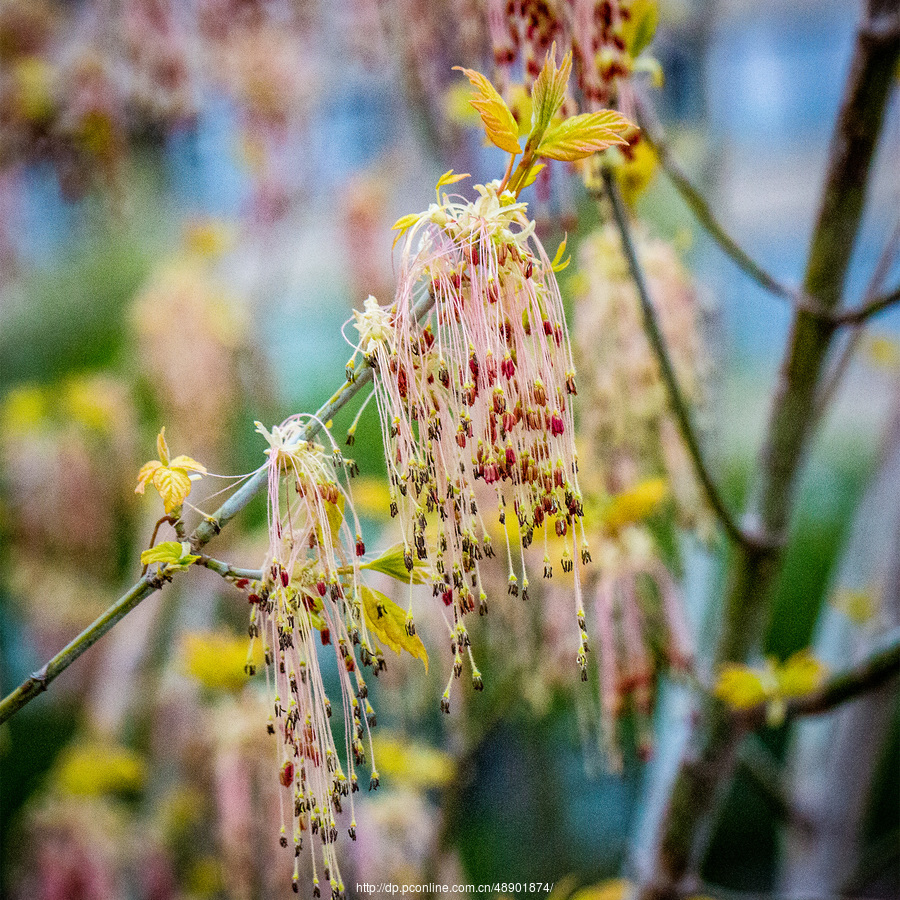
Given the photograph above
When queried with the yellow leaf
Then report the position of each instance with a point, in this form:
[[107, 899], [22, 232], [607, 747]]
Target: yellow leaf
[[449, 178], [93, 769], [860, 606], [640, 26], [532, 175], [173, 485], [162, 448], [335, 513], [148, 470], [740, 686], [613, 889], [499, 123], [188, 464], [174, 554], [580, 136], [636, 504], [548, 92], [392, 563], [218, 660], [799, 675], [416, 764], [390, 626]]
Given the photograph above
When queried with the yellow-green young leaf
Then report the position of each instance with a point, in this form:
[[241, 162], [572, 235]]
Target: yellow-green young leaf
[[402, 224], [549, 91], [405, 222], [499, 123], [639, 28], [162, 447], [636, 504], [581, 136], [188, 464], [173, 486], [532, 175], [392, 563], [390, 626], [449, 178], [335, 513], [613, 889], [799, 675], [740, 686], [170, 553]]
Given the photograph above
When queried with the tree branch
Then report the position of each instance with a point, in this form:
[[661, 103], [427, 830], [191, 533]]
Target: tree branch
[[685, 822], [865, 311], [652, 132], [877, 668], [201, 535], [667, 369], [226, 570]]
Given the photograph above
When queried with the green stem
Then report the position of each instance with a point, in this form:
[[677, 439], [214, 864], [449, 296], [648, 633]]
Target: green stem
[[872, 672], [201, 535], [866, 310], [686, 822], [667, 370], [698, 205], [226, 570]]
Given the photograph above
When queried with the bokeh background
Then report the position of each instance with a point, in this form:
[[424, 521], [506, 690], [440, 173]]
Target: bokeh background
[[193, 197]]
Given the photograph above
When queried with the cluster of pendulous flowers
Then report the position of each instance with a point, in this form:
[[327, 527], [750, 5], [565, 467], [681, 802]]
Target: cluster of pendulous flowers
[[476, 405], [311, 593]]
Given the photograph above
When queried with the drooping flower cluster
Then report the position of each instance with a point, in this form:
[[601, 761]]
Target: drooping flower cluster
[[476, 405], [606, 37], [625, 418], [311, 594], [637, 461]]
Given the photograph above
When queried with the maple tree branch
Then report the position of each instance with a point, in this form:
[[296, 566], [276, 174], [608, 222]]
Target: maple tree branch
[[872, 672], [667, 370], [207, 529], [652, 132]]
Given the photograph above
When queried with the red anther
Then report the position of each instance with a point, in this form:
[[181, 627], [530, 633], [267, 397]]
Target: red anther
[[321, 587], [474, 255], [558, 334], [461, 438], [556, 425], [402, 385], [286, 775], [285, 578], [548, 327], [529, 269], [360, 547], [473, 366], [508, 367], [538, 515], [447, 597], [325, 635], [253, 598], [456, 281], [241, 583], [350, 663], [510, 456]]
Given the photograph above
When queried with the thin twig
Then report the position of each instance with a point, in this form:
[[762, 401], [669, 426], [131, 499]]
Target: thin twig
[[879, 273], [654, 136], [676, 397], [865, 311], [877, 668], [201, 535], [171, 520], [226, 570]]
